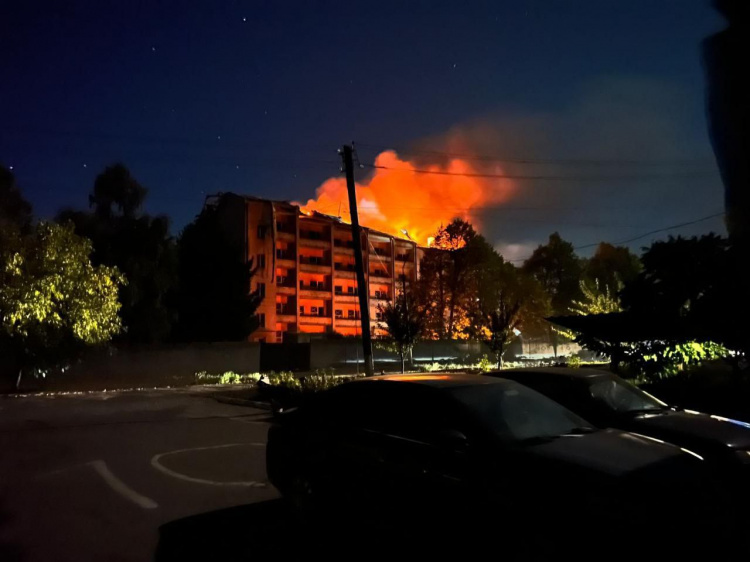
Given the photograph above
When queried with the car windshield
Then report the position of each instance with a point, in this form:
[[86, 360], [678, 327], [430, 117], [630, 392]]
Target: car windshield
[[623, 397], [516, 413]]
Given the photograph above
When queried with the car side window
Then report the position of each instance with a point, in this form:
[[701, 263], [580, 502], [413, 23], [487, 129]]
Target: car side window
[[396, 409], [419, 414], [351, 405]]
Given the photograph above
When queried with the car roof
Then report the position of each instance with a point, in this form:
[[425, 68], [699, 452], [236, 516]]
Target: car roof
[[584, 373], [438, 380]]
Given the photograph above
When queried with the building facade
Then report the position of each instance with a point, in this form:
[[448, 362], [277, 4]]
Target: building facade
[[305, 268]]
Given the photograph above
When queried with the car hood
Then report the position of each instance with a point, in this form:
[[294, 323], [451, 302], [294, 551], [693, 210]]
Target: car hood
[[610, 452], [686, 427]]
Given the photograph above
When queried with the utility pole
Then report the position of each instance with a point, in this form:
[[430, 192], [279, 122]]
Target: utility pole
[[364, 308]]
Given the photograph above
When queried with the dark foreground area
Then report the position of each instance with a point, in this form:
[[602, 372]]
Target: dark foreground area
[[93, 477]]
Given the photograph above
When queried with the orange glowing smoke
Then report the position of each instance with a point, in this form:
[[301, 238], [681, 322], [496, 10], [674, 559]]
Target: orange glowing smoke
[[398, 199]]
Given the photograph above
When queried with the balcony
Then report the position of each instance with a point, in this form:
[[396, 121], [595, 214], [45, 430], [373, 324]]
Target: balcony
[[314, 264], [381, 254], [286, 258], [285, 313], [349, 291], [285, 281], [380, 296], [314, 291], [314, 239], [347, 296], [317, 319], [344, 270]]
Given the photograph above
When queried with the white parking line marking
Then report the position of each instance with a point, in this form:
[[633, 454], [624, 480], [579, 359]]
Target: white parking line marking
[[121, 488], [160, 467]]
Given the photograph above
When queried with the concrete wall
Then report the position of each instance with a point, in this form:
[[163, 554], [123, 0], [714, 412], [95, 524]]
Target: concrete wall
[[159, 365], [542, 349], [345, 354]]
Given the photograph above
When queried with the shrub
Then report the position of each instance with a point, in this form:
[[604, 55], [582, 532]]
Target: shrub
[[485, 364], [229, 377], [284, 378], [574, 362]]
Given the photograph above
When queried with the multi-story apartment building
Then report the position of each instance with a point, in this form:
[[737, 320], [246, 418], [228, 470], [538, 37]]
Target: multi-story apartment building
[[305, 267]]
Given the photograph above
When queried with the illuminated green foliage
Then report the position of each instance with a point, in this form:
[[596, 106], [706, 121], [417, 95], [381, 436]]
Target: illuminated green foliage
[[53, 301]]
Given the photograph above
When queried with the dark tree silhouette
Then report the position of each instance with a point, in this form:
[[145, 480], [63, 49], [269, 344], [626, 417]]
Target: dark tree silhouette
[[403, 322], [14, 209], [215, 302], [558, 269], [507, 300], [139, 245], [447, 284], [611, 267]]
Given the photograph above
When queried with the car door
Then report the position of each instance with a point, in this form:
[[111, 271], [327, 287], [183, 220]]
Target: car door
[[424, 450]]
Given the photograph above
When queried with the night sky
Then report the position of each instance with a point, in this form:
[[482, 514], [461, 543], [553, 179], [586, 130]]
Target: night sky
[[255, 97]]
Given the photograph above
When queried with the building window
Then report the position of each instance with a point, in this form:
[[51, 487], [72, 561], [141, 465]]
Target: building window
[[261, 231], [261, 260], [379, 315], [350, 313], [302, 310], [261, 320], [338, 289], [339, 314], [280, 280], [314, 310], [261, 288], [279, 337]]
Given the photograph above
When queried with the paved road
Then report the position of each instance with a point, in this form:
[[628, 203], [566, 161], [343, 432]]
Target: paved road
[[106, 476]]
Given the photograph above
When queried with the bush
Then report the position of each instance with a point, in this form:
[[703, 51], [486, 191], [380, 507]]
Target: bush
[[284, 378], [574, 362], [229, 377], [485, 364]]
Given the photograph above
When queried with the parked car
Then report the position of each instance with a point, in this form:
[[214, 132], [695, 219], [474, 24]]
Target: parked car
[[445, 449], [609, 401]]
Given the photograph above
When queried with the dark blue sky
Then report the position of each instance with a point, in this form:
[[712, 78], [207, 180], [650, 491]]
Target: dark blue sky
[[255, 97]]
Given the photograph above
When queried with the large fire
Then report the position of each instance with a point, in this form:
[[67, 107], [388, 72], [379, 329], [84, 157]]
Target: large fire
[[398, 200]]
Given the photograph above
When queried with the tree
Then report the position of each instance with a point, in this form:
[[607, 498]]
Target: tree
[[53, 301], [556, 266], [117, 193], [558, 269], [447, 284], [680, 276], [137, 244], [14, 209], [596, 300], [215, 301], [403, 323], [682, 308], [611, 267], [508, 300]]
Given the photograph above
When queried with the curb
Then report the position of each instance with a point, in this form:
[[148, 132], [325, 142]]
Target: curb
[[240, 402]]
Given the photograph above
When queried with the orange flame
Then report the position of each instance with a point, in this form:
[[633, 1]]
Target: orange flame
[[399, 200]]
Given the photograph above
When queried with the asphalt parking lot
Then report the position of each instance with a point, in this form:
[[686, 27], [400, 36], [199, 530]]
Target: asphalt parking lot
[[118, 476]]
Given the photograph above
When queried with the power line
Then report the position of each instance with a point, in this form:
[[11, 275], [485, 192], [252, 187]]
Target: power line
[[537, 177], [570, 161], [633, 239]]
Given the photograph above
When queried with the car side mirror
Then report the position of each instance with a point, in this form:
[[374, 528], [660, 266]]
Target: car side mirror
[[454, 439]]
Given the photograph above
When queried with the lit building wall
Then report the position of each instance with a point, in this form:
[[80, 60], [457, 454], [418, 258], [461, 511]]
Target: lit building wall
[[306, 268]]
